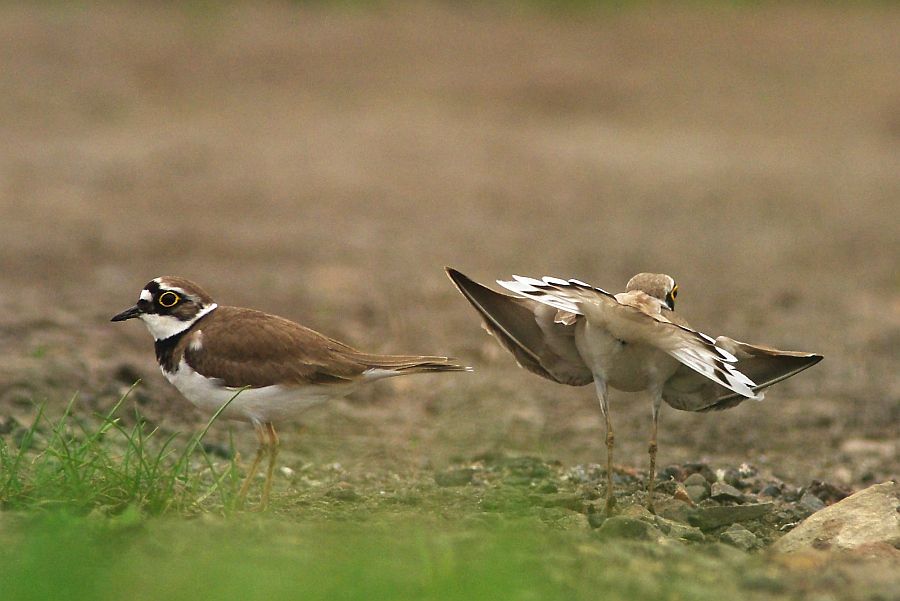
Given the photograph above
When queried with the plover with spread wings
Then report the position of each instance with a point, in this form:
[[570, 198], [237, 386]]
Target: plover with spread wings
[[573, 333]]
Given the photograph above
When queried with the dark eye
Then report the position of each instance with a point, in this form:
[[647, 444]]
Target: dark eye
[[675, 291], [168, 299]]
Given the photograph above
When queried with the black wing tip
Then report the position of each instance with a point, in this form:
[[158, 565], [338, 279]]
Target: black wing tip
[[457, 277]]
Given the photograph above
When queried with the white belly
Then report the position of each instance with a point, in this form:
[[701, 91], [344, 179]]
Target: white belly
[[625, 366], [268, 404]]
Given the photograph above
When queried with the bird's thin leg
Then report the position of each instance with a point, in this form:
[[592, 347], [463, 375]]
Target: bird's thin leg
[[261, 450], [273, 454], [657, 401], [600, 385]]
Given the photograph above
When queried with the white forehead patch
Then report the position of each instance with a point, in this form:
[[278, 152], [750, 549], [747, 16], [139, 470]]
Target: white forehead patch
[[145, 295]]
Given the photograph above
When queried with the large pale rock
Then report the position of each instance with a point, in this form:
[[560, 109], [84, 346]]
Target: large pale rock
[[866, 519]]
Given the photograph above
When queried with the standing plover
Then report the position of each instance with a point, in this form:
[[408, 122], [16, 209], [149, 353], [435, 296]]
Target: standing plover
[[210, 353], [572, 333]]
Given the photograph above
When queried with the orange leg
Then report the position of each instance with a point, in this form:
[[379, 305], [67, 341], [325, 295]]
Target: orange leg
[[273, 454], [261, 450]]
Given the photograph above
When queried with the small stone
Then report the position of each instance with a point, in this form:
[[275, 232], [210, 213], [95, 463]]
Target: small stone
[[828, 493], [790, 494], [811, 502], [702, 469], [454, 477], [721, 491], [697, 493], [771, 490], [638, 512], [696, 487], [596, 519], [696, 480], [677, 530], [731, 476], [629, 528], [286, 471], [740, 537], [709, 518], [667, 487], [675, 510]]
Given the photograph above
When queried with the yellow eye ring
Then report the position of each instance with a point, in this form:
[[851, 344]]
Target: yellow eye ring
[[675, 291], [168, 299]]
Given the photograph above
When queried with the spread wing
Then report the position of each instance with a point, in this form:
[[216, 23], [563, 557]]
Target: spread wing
[[540, 338], [635, 317], [688, 391]]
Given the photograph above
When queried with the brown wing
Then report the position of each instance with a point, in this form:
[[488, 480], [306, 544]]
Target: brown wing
[[243, 347], [689, 391], [529, 331]]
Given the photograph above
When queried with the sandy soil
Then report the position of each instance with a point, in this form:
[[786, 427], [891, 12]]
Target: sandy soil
[[325, 164]]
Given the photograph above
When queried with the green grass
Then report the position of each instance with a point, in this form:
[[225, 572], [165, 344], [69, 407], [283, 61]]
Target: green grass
[[81, 464]]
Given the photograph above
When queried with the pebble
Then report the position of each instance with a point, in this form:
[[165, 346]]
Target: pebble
[[709, 518], [675, 510], [771, 490], [827, 492], [702, 469], [738, 536], [721, 491], [811, 502], [620, 526], [678, 530], [696, 487], [596, 519]]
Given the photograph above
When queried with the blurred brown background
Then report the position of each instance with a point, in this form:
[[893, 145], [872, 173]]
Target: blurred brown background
[[325, 163]]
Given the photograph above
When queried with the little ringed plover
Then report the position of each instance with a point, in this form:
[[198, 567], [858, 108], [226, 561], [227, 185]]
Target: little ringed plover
[[212, 352]]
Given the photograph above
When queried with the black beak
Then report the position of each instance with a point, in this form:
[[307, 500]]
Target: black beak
[[129, 313]]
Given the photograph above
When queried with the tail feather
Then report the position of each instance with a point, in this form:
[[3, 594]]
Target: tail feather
[[396, 365]]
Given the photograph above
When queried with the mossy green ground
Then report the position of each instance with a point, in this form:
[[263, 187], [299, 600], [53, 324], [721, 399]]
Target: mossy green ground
[[410, 556], [98, 511]]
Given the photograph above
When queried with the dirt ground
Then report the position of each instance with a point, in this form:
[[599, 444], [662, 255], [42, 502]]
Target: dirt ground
[[325, 164]]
